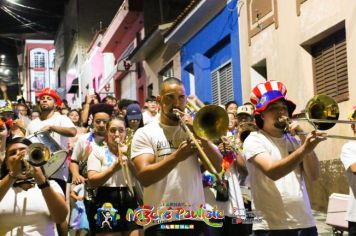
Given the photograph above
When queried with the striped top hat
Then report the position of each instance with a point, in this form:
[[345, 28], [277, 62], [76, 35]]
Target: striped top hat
[[265, 93]]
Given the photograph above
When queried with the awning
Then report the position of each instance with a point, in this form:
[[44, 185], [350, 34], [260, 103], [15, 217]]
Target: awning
[[74, 87]]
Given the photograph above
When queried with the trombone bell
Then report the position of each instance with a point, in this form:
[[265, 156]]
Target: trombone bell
[[322, 107], [211, 122]]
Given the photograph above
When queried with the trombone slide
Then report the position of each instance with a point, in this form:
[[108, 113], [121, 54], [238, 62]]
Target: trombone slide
[[200, 149]]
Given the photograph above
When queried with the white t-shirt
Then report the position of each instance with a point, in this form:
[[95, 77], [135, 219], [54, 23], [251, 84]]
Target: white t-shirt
[[148, 118], [348, 157], [235, 202], [55, 120], [284, 203], [184, 183], [81, 150], [26, 213], [100, 160]]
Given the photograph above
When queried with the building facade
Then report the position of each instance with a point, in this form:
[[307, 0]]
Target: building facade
[[309, 46]]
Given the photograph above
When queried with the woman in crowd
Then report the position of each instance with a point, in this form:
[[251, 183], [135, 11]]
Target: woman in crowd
[[29, 203], [74, 116], [106, 171]]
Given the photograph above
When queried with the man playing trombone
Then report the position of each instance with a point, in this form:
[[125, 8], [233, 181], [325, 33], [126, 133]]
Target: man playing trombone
[[278, 163], [348, 159], [166, 160]]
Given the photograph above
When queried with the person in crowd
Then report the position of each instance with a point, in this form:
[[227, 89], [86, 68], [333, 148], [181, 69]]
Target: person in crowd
[[151, 113], [90, 99], [23, 113], [64, 111], [78, 217], [36, 111], [133, 118], [29, 203], [111, 100], [101, 113], [231, 132], [60, 128], [244, 114], [122, 106], [231, 106], [74, 116], [233, 205], [348, 159], [5, 136], [167, 162], [106, 166], [278, 163]]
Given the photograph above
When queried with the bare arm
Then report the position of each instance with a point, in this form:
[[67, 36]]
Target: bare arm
[[55, 201], [278, 169], [65, 131], [97, 179], [85, 114], [5, 185], [76, 177], [149, 172]]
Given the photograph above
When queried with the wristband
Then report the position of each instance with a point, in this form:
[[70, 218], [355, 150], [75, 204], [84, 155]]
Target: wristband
[[44, 185]]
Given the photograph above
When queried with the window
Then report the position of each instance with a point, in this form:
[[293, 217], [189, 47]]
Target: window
[[330, 66], [167, 71], [222, 85], [39, 60]]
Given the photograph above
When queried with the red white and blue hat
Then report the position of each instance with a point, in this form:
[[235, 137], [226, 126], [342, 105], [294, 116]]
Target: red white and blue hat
[[265, 93]]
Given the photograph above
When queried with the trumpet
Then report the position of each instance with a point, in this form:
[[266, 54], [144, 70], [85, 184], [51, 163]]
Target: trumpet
[[37, 155], [322, 112]]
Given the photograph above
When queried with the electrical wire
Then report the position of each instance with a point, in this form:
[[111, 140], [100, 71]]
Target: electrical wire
[[48, 14]]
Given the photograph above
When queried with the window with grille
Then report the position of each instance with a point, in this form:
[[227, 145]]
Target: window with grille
[[330, 66], [39, 60], [222, 85]]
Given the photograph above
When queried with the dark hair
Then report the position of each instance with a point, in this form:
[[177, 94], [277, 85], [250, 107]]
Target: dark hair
[[108, 97], [229, 103], [4, 171], [124, 103], [120, 118], [151, 99], [170, 80], [258, 120], [79, 123]]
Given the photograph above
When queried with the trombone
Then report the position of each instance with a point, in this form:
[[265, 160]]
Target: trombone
[[210, 123], [322, 112]]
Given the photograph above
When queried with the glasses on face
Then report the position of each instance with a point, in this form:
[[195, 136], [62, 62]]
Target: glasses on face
[[134, 121], [98, 121], [113, 130]]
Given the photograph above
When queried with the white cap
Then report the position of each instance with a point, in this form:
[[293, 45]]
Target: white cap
[[245, 109]]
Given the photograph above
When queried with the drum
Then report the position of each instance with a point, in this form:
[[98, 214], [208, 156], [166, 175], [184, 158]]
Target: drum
[[58, 155]]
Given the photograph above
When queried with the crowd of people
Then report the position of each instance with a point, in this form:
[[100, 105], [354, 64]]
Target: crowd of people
[[121, 156]]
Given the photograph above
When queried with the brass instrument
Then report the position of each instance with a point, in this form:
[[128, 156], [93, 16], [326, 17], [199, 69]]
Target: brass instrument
[[245, 128], [37, 155], [124, 164], [322, 112], [210, 123]]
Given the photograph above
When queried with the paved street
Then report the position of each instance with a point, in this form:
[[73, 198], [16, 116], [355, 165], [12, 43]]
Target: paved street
[[323, 228]]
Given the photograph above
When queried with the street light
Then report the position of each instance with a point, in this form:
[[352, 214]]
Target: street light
[[2, 56]]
